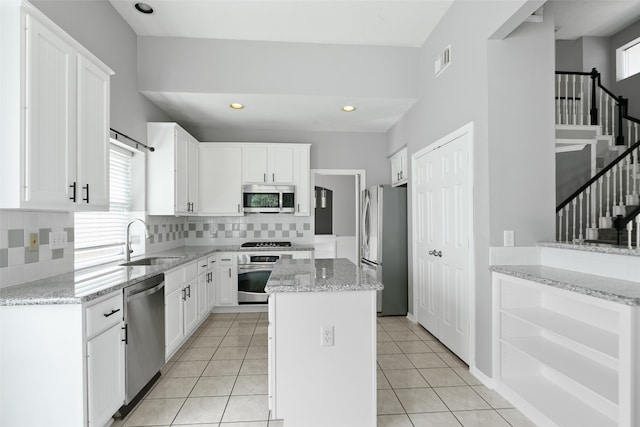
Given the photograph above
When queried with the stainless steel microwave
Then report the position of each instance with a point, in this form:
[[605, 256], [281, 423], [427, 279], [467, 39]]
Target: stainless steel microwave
[[268, 198]]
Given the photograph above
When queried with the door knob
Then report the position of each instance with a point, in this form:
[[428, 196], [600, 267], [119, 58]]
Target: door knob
[[431, 252], [438, 253]]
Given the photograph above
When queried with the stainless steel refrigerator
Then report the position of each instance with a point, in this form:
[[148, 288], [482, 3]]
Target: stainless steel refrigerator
[[384, 245]]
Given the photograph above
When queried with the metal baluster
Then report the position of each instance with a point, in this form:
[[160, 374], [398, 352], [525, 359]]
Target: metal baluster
[[580, 235]]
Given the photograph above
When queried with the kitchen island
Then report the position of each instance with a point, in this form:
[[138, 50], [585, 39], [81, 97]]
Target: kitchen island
[[322, 343]]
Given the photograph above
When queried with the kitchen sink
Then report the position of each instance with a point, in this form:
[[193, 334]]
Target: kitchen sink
[[151, 261]]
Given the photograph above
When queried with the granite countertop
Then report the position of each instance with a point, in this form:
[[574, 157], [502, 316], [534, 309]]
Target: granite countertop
[[84, 285], [592, 247], [619, 291], [320, 275]]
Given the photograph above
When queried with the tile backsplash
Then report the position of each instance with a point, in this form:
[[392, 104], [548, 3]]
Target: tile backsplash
[[17, 263], [237, 230]]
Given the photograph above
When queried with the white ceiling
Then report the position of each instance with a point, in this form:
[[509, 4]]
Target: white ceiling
[[405, 23], [599, 18]]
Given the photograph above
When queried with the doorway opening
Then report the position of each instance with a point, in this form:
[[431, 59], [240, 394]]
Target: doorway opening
[[336, 213]]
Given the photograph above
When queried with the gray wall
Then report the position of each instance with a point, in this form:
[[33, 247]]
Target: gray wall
[[461, 95], [99, 28], [569, 55], [344, 202], [629, 87]]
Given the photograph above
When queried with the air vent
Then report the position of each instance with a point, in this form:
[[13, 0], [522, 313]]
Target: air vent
[[443, 60]]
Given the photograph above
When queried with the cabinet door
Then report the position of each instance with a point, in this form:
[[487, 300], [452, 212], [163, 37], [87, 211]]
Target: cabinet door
[[192, 175], [211, 289], [302, 180], [280, 165], [227, 280], [254, 164], [203, 283], [93, 137], [49, 119], [105, 375], [173, 324], [399, 167], [191, 307], [220, 180], [182, 205]]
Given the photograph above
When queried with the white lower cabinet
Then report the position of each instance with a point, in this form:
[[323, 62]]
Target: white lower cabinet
[[181, 306], [563, 358], [227, 279], [105, 375]]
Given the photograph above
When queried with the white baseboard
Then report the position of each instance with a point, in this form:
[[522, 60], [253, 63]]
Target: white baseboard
[[487, 381], [411, 318]]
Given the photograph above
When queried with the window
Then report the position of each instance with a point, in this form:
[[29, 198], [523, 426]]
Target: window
[[100, 236], [628, 59]]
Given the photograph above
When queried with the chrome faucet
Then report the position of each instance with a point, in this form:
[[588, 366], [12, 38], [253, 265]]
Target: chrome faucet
[[127, 249]]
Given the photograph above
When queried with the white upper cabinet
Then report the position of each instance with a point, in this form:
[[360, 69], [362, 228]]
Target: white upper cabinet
[[399, 169], [302, 179], [221, 179], [267, 163], [172, 170], [55, 112]]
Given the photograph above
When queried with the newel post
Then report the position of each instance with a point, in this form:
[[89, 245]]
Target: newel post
[[622, 104], [594, 110]]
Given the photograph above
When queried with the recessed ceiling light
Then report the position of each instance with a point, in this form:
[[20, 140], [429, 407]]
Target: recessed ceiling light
[[348, 108], [143, 8], [236, 106]]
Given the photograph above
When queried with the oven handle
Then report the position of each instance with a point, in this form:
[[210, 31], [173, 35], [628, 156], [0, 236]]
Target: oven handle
[[255, 267]]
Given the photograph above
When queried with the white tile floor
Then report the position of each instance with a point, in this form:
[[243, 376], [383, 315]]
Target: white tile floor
[[219, 379]]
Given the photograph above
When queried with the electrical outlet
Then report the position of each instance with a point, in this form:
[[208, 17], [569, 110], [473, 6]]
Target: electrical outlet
[[34, 243], [327, 337]]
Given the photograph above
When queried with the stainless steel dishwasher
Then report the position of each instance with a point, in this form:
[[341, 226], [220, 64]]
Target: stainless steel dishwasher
[[144, 338]]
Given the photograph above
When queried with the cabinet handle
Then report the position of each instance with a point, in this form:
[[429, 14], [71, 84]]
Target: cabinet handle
[[86, 188], [126, 334], [298, 207], [273, 177], [264, 177], [238, 207], [112, 313], [73, 198], [184, 294], [229, 272], [189, 291]]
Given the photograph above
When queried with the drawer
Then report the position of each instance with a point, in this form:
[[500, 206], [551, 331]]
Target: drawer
[[173, 280], [212, 261], [225, 259], [203, 265], [104, 314], [190, 272]]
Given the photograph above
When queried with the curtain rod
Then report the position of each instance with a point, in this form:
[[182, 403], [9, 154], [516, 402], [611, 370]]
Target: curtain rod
[[131, 139]]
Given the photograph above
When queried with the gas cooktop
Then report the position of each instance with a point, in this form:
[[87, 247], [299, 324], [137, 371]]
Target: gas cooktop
[[266, 244]]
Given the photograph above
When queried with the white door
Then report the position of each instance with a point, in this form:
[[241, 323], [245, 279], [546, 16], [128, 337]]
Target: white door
[[93, 136], [441, 224], [281, 165], [220, 180], [50, 115]]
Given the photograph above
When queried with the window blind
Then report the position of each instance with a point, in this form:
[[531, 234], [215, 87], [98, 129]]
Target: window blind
[[100, 236]]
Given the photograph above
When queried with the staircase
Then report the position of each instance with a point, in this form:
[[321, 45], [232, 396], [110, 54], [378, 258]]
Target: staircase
[[606, 208]]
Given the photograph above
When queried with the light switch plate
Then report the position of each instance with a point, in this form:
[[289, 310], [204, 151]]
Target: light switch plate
[[58, 240], [509, 238]]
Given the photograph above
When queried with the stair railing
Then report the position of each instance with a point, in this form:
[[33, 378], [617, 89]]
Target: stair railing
[[601, 199], [627, 222], [581, 99]]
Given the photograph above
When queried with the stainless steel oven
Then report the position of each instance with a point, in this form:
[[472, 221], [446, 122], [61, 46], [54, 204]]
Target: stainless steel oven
[[254, 269]]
